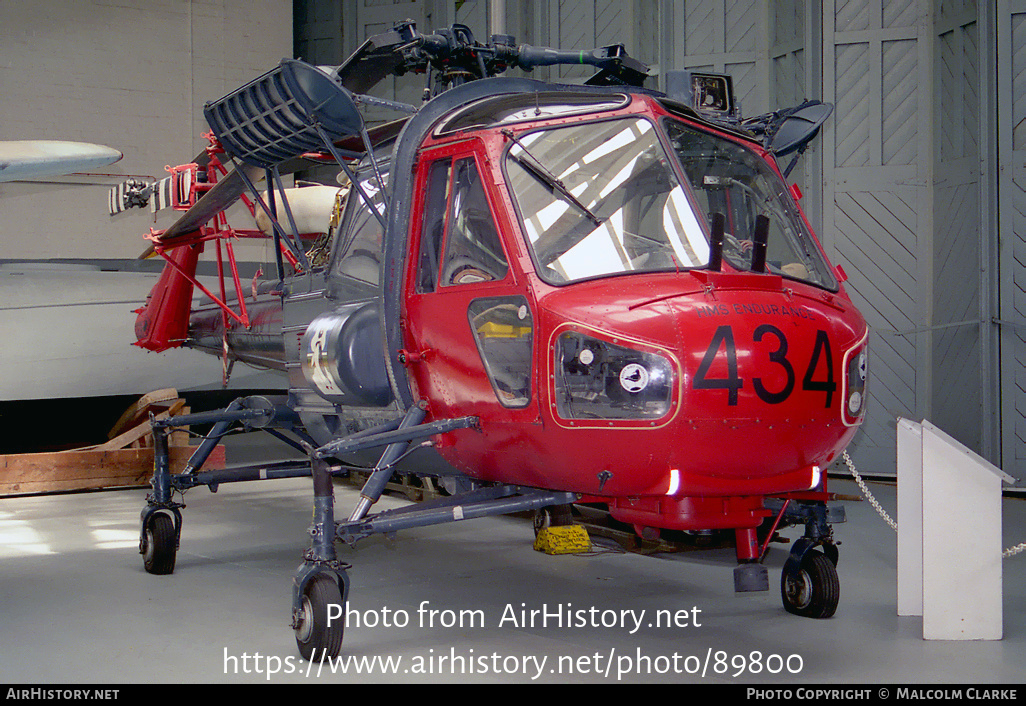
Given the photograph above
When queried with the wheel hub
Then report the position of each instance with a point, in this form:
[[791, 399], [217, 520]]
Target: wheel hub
[[148, 554], [799, 589], [304, 623]]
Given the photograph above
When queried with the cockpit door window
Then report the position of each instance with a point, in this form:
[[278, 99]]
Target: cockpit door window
[[436, 204], [460, 243], [473, 251]]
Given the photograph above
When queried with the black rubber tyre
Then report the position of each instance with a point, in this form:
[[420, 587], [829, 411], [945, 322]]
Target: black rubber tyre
[[161, 547], [814, 591], [314, 637]]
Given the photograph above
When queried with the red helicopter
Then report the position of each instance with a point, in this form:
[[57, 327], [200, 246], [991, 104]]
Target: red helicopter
[[542, 294]]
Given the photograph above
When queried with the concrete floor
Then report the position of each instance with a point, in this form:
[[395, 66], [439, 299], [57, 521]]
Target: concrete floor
[[76, 605]]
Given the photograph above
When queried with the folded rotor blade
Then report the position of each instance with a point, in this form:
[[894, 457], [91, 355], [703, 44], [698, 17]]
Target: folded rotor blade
[[375, 59]]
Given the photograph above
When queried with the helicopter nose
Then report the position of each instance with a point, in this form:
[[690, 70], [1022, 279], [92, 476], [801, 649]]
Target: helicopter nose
[[747, 380], [779, 379]]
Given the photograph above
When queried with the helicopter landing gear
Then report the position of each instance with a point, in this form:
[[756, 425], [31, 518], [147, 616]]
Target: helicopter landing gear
[[161, 526], [809, 585], [812, 590], [319, 621], [321, 586], [161, 518], [159, 545]]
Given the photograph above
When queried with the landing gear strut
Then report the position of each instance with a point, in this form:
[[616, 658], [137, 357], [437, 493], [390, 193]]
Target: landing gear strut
[[161, 519], [321, 586], [809, 586]]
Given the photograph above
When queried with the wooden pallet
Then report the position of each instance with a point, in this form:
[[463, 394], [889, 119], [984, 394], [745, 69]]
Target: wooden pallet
[[124, 460]]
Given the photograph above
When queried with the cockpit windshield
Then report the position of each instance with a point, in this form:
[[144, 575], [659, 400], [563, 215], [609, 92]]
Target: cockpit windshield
[[727, 178], [602, 198]]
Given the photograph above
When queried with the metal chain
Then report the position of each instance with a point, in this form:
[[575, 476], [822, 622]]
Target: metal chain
[[1010, 552], [869, 496]]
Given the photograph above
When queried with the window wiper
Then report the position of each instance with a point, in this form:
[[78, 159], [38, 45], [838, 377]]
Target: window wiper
[[540, 172]]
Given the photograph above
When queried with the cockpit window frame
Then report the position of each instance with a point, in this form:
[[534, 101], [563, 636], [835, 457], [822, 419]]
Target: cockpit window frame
[[596, 103]]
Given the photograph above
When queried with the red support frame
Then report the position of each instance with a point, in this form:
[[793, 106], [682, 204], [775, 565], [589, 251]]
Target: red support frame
[[163, 321]]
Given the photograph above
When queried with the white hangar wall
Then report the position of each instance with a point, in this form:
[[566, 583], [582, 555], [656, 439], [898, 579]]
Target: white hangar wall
[[131, 74], [916, 187]]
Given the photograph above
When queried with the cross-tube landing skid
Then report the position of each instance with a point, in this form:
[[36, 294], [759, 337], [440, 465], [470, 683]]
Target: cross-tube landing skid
[[321, 581]]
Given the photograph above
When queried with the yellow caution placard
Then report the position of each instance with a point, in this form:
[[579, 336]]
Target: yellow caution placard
[[563, 539]]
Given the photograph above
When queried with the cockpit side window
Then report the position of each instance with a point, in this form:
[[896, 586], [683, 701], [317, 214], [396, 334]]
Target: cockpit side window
[[473, 249], [362, 235], [459, 242], [436, 204]]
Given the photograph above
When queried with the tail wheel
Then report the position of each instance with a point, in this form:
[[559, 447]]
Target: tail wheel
[[314, 636], [813, 591], [161, 545]]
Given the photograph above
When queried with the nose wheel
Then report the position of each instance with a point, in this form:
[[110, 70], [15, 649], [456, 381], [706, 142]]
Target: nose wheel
[[811, 589]]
